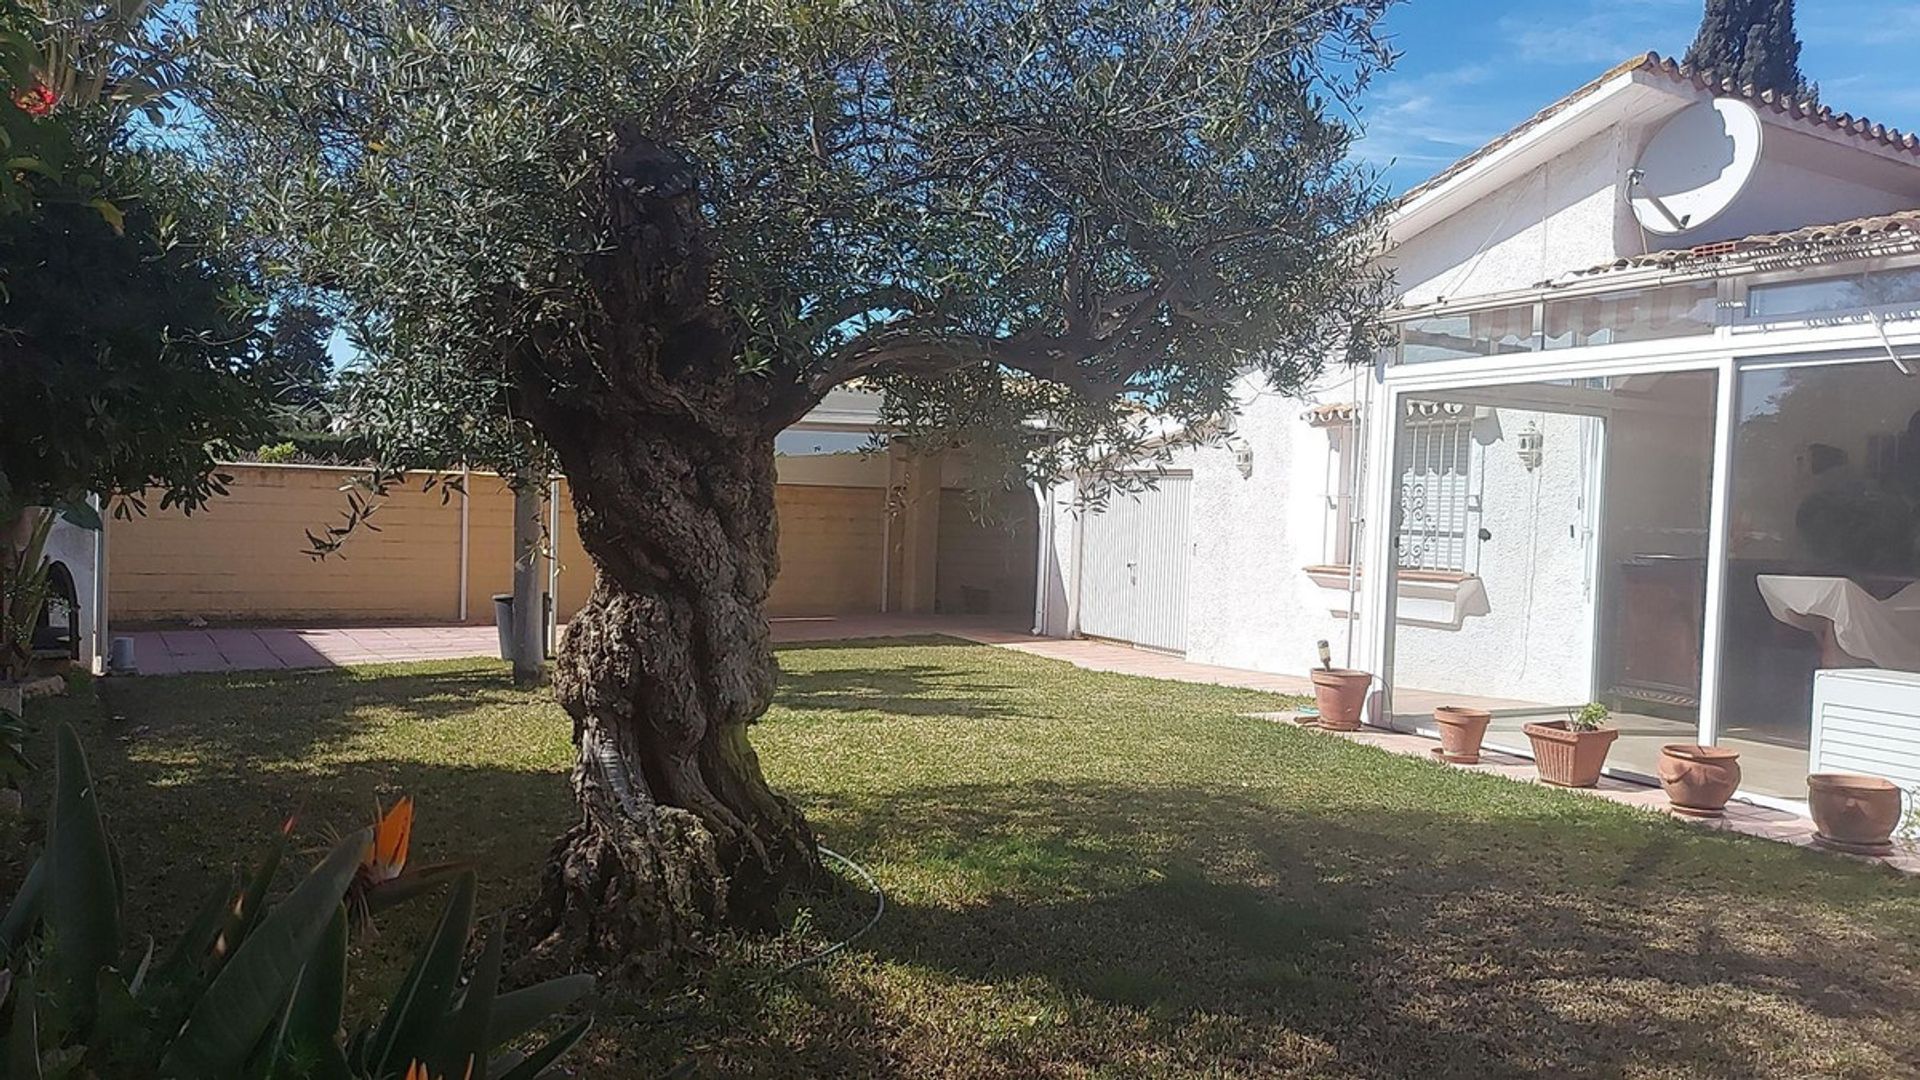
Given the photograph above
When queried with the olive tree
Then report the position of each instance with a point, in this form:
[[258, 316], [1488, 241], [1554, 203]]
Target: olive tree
[[645, 237]]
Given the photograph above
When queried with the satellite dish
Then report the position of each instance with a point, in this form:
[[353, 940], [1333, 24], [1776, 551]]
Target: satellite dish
[[1696, 165]]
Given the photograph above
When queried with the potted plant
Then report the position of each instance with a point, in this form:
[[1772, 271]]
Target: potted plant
[[1855, 814], [1571, 752], [1698, 779], [1461, 730]]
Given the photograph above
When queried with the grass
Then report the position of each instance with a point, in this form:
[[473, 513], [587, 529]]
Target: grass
[[1088, 875]]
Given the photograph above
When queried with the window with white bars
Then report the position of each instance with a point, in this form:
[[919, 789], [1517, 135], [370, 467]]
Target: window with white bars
[[1436, 495]]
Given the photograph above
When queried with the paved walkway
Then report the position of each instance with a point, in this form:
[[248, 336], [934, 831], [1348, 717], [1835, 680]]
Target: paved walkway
[[166, 652], [228, 649], [1742, 817]]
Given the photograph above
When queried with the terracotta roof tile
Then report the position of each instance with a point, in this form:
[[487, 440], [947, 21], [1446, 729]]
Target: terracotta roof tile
[[1875, 234]]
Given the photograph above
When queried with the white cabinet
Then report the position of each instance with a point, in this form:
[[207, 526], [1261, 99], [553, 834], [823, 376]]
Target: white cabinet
[[1866, 720]]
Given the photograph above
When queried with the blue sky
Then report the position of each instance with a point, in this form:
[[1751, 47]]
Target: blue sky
[[1471, 69]]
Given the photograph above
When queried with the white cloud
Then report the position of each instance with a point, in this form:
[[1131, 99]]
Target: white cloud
[[1601, 34], [1428, 119]]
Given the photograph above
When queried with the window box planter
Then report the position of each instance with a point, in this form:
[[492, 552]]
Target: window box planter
[[1568, 758]]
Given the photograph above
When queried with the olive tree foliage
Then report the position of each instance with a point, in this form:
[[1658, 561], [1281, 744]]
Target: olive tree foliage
[[1003, 213], [644, 237]]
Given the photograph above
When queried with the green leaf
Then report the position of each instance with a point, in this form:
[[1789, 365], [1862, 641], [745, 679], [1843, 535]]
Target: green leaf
[[465, 1038], [247, 910], [183, 960], [519, 1011], [80, 515], [411, 884], [247, 995], [537, 1062], [24, 913], [426, 995], [115, 218], [23, 1039], [82, 901], [314, 1021]]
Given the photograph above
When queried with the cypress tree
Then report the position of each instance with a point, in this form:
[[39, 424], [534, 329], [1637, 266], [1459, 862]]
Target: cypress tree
[[1772, 60], [1722, 39], [1753, 43]]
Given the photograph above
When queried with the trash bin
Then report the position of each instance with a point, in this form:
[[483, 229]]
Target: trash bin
[[503, 623]]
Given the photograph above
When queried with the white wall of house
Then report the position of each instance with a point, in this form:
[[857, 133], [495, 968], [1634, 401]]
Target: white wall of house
[[1526, 628], [1562, 216], [1531, 639]]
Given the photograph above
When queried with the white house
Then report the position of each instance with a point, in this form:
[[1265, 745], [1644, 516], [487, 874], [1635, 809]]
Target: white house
[[1650, 436]]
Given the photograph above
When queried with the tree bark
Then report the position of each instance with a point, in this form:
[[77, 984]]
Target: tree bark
[[667, 445], [662, 672]]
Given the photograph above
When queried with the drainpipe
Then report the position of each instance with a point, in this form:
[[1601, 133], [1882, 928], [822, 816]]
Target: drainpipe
[[886, 543], [1043, 506], [1360, 395], [466, 478], [101, 644]]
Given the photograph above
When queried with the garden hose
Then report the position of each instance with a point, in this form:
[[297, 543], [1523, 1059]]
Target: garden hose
[[879, 909]]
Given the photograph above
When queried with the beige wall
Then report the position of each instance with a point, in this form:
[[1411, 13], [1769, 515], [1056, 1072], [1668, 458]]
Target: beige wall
[[242, 558]]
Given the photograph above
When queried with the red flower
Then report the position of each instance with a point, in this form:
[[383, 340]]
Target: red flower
[[36, 100]]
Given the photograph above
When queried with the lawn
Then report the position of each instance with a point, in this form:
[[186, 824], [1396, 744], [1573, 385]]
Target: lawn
[[1087, 875]]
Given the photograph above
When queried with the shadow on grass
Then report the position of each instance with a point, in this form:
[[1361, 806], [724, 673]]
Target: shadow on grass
[[1404, 945], [1083, 927], [901, 690]]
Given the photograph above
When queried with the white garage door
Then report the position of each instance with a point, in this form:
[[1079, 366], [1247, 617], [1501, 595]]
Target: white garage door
[[1133, 559]]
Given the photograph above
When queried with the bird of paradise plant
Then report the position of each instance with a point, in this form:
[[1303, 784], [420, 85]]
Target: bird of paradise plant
[[383, 879], [418, 1071], [251, 989]]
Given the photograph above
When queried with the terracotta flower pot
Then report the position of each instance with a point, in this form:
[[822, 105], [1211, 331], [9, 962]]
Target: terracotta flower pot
[[1567, 758], [1699, 779], [1461, 730], [1342, 697], [1856, 814]]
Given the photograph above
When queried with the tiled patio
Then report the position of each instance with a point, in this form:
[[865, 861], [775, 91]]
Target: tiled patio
[[167, 652], [226, 649], [1741, 817]]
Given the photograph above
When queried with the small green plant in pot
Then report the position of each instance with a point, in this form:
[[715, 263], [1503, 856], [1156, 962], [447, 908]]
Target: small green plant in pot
[[1571, 752]]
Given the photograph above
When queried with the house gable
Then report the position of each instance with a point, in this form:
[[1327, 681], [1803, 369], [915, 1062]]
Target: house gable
[[1550, 197]]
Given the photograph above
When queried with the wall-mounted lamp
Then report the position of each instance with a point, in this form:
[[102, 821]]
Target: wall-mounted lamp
[[1242, 455], [1531, 441]]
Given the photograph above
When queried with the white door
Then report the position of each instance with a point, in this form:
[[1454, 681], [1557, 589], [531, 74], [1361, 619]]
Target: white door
[[1133, 565]]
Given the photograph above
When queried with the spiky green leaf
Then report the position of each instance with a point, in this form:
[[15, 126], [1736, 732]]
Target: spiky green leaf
[[251, 989]]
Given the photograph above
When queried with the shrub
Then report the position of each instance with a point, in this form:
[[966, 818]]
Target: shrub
[[251, 989]]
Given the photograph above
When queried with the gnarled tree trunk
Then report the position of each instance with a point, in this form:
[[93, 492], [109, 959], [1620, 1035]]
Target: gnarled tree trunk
[[668, 447]]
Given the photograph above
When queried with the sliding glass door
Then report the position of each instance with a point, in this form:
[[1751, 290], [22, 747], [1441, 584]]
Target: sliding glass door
[[1823, 551], [1551, 541]]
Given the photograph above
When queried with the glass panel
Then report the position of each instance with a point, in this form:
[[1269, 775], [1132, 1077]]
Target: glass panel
[[1823, 551], [1834, 294], [1637, 315], [1478, 333], [1586, 526]]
